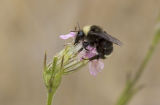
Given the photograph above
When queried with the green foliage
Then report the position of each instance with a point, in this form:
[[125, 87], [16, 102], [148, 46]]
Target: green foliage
[[63, 63]]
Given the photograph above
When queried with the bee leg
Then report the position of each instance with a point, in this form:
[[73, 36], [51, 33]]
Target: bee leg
[[94, 57], [99, 56], [80, 50]]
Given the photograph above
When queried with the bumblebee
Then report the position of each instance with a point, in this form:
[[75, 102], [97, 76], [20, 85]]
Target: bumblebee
[[95, 36]]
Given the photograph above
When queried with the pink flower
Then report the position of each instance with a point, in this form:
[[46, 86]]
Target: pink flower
[[86, 54], [95, 66], [67, 36]]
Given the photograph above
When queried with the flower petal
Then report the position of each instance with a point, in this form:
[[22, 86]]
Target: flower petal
[[95, 66], [92, 68], [67, 36], [90, 52], [100, 65]]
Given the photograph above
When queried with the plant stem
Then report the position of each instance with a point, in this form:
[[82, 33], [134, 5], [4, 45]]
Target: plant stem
[[126, 95], [50, 97], [129, 90], [144, 63]]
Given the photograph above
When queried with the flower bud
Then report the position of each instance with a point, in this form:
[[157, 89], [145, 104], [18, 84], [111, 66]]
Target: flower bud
[[66, 61]]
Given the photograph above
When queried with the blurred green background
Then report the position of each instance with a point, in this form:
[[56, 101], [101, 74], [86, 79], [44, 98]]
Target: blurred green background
[[28, 28]]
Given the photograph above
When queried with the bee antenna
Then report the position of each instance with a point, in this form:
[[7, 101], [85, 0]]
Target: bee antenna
[[78, 26], [75, 28]]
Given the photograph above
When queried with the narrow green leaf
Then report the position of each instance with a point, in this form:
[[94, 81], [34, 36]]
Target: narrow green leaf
[[45, 60]]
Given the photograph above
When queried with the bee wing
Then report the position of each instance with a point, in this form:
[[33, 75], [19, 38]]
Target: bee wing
[[108, 37]]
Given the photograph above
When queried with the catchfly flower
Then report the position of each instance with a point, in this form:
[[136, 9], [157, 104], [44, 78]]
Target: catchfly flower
[[81, 51], [64, 62], [69, 60], [95, 66]]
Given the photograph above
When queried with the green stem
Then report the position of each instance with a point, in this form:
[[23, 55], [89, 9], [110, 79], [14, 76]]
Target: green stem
[[124, 99], [144, 63], [50, 97], [128, 91]]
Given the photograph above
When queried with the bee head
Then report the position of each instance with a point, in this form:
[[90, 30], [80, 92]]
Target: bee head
[[80, 36]]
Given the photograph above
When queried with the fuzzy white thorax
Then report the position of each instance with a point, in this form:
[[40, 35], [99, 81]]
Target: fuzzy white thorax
[[86, 29]]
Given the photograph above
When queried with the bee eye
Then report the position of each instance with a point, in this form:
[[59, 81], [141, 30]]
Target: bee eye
[[80, 33]]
